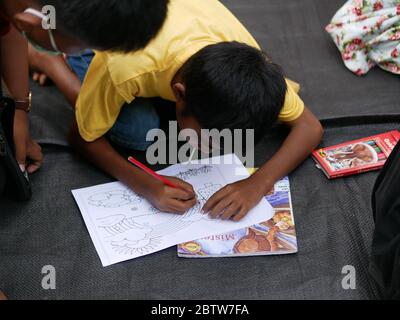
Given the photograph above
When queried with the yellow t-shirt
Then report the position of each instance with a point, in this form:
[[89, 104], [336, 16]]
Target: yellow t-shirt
[[114, 79]]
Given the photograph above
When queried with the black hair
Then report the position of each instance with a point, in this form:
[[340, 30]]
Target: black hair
[[118, 25], [231, 85]]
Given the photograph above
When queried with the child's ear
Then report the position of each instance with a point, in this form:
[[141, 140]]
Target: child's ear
[[179, 91], [27, 22]]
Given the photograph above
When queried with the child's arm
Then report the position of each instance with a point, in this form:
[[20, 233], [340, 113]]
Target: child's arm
[[237, 199], [103, 155]]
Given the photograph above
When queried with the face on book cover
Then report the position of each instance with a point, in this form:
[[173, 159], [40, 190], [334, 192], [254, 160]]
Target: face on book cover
[[31, 25]]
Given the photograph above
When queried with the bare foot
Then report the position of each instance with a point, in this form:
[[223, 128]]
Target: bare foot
[[39, 62], [2, 296]]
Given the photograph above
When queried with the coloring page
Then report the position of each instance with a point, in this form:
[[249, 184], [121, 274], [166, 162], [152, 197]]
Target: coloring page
[[124, 226]]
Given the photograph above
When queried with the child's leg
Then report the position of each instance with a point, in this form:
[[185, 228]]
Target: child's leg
[[133, 124], [58, 71], [135, 119], [80, 63]]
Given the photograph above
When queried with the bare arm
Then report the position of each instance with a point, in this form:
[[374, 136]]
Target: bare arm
[[103, 155], [14, 68], [14, 63], [305, 134], [237, 199]]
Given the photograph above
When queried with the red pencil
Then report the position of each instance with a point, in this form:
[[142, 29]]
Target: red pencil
[[151, 172]]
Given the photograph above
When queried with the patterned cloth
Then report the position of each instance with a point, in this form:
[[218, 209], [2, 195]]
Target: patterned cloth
[[367, 34]]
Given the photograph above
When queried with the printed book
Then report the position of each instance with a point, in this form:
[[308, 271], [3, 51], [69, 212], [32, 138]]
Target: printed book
[[275, 236]]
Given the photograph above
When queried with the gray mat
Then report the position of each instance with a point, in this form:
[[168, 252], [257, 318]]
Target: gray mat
[[334, 227], [292, 32], [333, 218]]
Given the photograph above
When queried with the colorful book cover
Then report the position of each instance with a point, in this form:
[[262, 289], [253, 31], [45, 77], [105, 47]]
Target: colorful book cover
[[356, 156], [276, 236]]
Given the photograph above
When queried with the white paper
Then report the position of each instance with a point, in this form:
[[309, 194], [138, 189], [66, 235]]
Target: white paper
[[124, 226]]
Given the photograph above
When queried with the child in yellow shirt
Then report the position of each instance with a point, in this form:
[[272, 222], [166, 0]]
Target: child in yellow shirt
[[206, 62]]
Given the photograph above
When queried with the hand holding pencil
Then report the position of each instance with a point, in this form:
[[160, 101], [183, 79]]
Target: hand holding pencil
[[170, 194], [175, 200]]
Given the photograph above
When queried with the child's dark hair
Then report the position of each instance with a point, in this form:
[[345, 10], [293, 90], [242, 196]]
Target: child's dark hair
[[118, 25], [232, 85]]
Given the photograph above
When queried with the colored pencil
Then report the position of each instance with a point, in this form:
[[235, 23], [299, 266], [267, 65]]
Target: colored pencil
[[151, 172]]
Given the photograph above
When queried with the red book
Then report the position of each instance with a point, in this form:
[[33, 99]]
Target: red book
[[356, 156]]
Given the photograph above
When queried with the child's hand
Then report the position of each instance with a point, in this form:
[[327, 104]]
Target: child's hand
[[235, 200], [174, 200]]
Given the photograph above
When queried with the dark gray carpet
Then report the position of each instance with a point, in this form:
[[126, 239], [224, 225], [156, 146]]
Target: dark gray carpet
[[292, 32], [333, 218]]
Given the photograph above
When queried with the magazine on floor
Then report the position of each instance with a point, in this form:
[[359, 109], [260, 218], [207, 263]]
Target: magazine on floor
[[275, 236]]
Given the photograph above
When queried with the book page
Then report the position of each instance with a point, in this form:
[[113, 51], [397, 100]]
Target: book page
[[124, 226]]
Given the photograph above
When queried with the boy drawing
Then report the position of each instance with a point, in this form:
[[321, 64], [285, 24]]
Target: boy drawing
[[208, 63]]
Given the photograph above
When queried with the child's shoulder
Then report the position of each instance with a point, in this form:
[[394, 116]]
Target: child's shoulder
[[127, 66]]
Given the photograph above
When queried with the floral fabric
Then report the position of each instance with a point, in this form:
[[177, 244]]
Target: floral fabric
[[367, 33]]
